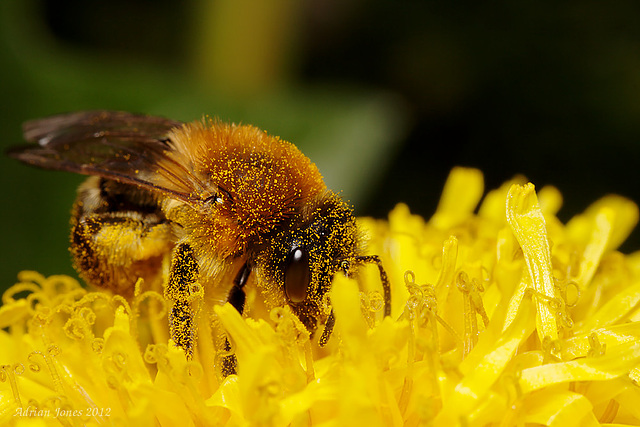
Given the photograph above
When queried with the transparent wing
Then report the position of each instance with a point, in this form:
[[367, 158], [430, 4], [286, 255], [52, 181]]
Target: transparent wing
[[116, 145]]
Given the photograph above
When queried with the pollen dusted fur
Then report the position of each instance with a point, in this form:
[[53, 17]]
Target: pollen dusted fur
[[261, 181], [199, 211], [117, 237]]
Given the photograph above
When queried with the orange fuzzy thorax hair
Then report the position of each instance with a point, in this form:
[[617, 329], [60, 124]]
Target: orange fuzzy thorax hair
[[261, 179]]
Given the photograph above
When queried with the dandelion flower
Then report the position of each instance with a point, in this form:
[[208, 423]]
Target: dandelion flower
[[501, 315]]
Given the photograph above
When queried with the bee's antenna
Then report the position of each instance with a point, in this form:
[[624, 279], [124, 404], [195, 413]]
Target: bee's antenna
[[386, 287]]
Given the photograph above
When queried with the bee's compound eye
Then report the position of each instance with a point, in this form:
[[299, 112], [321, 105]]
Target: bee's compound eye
[[297, 275]]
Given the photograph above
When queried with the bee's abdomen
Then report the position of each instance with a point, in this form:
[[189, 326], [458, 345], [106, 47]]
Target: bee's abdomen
[[113, 248]]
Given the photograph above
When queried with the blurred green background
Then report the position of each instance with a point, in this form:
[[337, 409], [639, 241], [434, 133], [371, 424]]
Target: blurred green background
[[385, 96]]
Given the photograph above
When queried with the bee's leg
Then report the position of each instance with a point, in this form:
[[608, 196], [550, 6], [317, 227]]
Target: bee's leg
[[237, 295], [237, 298], [386, 287], [180, 290]]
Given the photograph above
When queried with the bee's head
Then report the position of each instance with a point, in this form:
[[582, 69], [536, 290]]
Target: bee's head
[[298, 263]]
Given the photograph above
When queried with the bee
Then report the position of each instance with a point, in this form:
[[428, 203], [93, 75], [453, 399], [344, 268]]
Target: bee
[[222, 202]]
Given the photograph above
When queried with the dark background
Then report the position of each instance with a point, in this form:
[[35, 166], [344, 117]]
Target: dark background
[[386, 96]]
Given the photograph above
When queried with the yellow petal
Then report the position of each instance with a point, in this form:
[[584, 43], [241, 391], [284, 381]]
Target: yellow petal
[[559, 408], [550, 200], [462, 346], [485, 364], [601, 230], [493, 207], [616, 362], [614, 309], [528, 225], [461, 194], [626, 218]]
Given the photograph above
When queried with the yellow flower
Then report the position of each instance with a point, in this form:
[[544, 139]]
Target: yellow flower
[[501, 317]]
